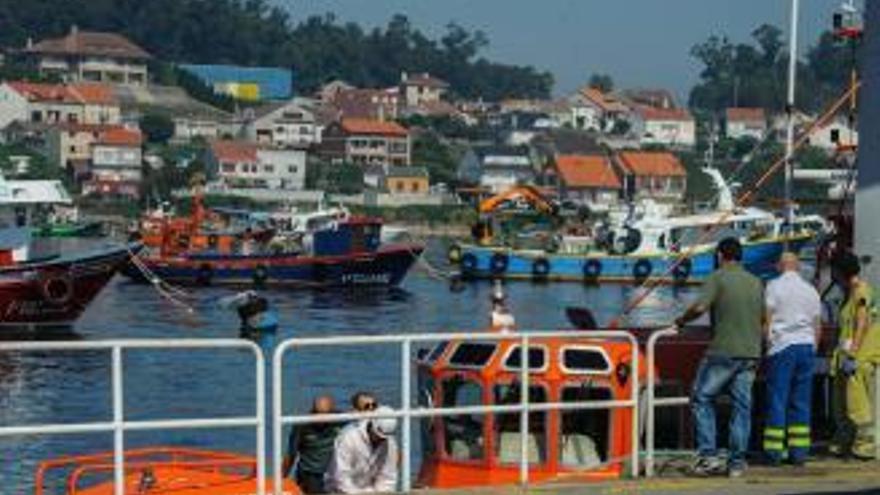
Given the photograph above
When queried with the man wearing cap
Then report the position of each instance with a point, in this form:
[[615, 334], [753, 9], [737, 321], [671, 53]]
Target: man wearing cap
[[365, 457], [793, 326]]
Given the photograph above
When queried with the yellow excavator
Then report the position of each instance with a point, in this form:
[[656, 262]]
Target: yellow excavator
[[483, 230]]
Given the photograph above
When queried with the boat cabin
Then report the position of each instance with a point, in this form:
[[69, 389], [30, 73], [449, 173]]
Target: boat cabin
[[25, 204], [352, 236], [484, 449]]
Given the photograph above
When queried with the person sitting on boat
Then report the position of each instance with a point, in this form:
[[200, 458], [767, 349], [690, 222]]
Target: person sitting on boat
[[854, 361], [310, 448], [736, 299], [502, 319], [365, 457], [362, 401]]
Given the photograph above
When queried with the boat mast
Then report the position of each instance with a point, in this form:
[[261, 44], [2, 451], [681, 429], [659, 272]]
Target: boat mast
[[867, 228], [789, 109]]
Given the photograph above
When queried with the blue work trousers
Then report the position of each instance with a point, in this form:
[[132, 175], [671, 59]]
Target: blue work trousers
[[789, 381]]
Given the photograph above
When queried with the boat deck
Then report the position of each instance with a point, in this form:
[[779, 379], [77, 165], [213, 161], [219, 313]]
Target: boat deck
[[820, 476]]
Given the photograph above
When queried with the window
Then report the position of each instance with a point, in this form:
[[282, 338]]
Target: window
[[414, 187], [464, 434], [583, 440], [269, 169], [398, 186], [537, 358], [507, 425], [585, 360], [473, 354], [36, 116], [73, 149], [292, 169]]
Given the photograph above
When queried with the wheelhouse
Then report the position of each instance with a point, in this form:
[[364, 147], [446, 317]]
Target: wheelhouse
[[484, 449]]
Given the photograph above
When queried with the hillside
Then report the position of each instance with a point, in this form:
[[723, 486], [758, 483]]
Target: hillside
[[251, 32]]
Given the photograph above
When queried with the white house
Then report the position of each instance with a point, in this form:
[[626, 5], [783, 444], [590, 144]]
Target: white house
[[835, 135], [667, 126], [282, 124], [745, 122], [117, 157], [87, 103], [419, 89], [497, 168], [592, 109], [249, 165]]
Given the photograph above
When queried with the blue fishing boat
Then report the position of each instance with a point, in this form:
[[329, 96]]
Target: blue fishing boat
[[669, 249]]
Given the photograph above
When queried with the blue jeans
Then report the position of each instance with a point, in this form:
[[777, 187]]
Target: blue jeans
[[715, 375]]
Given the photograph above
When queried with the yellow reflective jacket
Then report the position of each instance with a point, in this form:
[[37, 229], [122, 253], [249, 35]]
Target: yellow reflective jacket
[[869, 351]]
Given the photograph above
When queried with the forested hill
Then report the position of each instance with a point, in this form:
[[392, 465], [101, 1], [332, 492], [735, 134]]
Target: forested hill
[[252, 32]]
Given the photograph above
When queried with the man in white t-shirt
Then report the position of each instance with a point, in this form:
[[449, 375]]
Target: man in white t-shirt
[[793, 326]]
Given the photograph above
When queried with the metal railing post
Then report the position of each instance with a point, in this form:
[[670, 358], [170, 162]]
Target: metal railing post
[[277, 424], [524, 414], [405, 437], [260, 375], [651, 356], [118, 422]]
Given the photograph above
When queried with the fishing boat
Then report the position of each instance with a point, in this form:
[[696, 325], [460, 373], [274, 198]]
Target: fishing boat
[[667, 248], [347, 253], [156, 471], [42, 281]]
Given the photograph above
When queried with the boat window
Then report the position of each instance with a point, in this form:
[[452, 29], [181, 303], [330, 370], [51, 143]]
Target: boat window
[[437, 351], [537, 358], [584, 434], [507, 425], [473, 354], [464, 433], [585, 360]]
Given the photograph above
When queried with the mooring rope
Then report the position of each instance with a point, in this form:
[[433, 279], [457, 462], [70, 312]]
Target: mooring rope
[[166, 290]]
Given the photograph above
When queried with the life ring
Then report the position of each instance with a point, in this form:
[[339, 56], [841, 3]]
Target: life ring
[[205, 274], [261, 274], [541, 268], [57, 288], [498, 263], [454, 253], [468, 263], [682, 271], [592, 270], [642, 270]]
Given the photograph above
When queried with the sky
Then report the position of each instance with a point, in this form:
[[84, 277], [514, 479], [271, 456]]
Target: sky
[[641, 43]]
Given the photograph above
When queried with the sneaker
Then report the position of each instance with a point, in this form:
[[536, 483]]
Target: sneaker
[[736, 471], [707, 466]]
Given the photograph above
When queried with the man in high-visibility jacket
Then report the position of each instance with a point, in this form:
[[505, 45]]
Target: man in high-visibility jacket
[[793, 326], [854, 361]]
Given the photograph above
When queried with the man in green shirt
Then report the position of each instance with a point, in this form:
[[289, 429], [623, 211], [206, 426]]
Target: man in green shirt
[[310, 447], [736, 300]]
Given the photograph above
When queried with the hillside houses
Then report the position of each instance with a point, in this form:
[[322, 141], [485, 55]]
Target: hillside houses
[[588, 180], [366, 142]]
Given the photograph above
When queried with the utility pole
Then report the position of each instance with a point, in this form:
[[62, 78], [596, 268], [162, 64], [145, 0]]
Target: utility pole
[[789, 109]]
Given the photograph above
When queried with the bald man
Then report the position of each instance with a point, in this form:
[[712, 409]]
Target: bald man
[[792, 329], [310, 447]]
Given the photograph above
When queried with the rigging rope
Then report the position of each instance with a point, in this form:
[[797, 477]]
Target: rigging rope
[[653, 282]]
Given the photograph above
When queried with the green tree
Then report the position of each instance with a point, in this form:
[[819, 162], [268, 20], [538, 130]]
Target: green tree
[[157, 127], [440, 160], [602, 82]]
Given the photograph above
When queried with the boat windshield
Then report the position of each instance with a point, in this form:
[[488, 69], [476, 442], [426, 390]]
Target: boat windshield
[[464, 433]]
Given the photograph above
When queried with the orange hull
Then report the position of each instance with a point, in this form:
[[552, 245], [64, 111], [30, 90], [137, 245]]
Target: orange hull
[[451, 474]]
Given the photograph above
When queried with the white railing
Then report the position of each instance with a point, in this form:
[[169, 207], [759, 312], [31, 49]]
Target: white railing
[[651, 402], [406, 412], [119, 425]]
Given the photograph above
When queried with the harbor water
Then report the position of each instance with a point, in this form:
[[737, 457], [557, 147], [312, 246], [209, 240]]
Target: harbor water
[[41, 387]]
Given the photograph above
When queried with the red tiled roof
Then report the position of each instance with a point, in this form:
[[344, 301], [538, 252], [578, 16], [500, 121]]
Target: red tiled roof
[[374, 127], [44, 92], [121, 136], [94, 93], [86, 93], [745, 114], [587, 171], [605, 101], [652, 163], [234, 151], [90, 43], [651, 113]]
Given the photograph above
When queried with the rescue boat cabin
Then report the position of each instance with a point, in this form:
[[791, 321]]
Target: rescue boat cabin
[[484, 449]]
